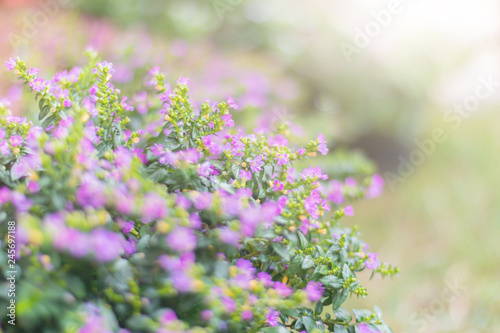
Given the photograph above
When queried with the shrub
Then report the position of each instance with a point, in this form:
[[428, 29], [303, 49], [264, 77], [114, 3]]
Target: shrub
[[173, 221]]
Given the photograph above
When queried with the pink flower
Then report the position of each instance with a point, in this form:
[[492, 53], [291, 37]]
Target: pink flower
[[231, 103], [181, 239], [375, 187], [16, 140], [314, 291], [10, 64], [256, 164], [322, 148], [278, 186], [364, 328], [282, 159], [67, 103], [228, 121], [313, 173], [33, 72], [265, 279], [38, 84], [282, 289], [272, 318], [372, 261], [247, 175], [349, 211], [301, 151], [168, 316], [228, 236], [107, 245], [247, 315], [33, 187], [183, 81]]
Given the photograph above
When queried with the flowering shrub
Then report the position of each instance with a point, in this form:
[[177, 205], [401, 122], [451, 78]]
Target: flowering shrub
[[171, 220]]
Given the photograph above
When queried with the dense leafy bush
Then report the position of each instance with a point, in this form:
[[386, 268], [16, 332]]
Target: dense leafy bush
[[171, 220]]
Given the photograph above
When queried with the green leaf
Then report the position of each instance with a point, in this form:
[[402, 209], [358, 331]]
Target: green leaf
[[295, 265], [342, 314], [41, 102], [340, 329], [49, 121], [318, 309], [281, 250], [346, 272], [43, 112], [276, 329], [309, 323], [360, 315], [332, 281], [304, 243], [339, 298], [308, 262]]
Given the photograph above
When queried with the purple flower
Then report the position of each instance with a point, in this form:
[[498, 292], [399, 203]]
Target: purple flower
[[91, 193], [256, 164], [181, 239], [204, 169], [228, 121], [206, 315], [282, 289], [247, 315], [364, 328], [322, 148], [10, 64], [231, 103], [311, 204], [228, 236], [182, 282], [33, 71], [301, 151], [74, 241], [313, 173], [336, 195], [228, 303], [265, 279], [167, 316], [247, 175], [203, 200], [278, 186], [4, 195], [16, 140], [349, 211], [375, 187], [67, 103], [106, 245], [20, 201], [272, 318], [33, 187], [126, 106], [38, 84], [372, 261], [246, 266], [183, 81], [314, 291], [154, 207], [282, 159], [4, 148]]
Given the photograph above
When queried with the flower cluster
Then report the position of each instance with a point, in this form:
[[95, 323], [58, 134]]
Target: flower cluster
[[161, 217]]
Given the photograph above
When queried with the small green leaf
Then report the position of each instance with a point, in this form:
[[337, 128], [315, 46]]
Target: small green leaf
[[43, 112], [340, 329], [343, 314], [304, 243], [308, 262], [332, 281], [281, 250]]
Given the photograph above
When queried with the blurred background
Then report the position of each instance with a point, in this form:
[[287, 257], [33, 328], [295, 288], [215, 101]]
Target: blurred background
[[412, 85]]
